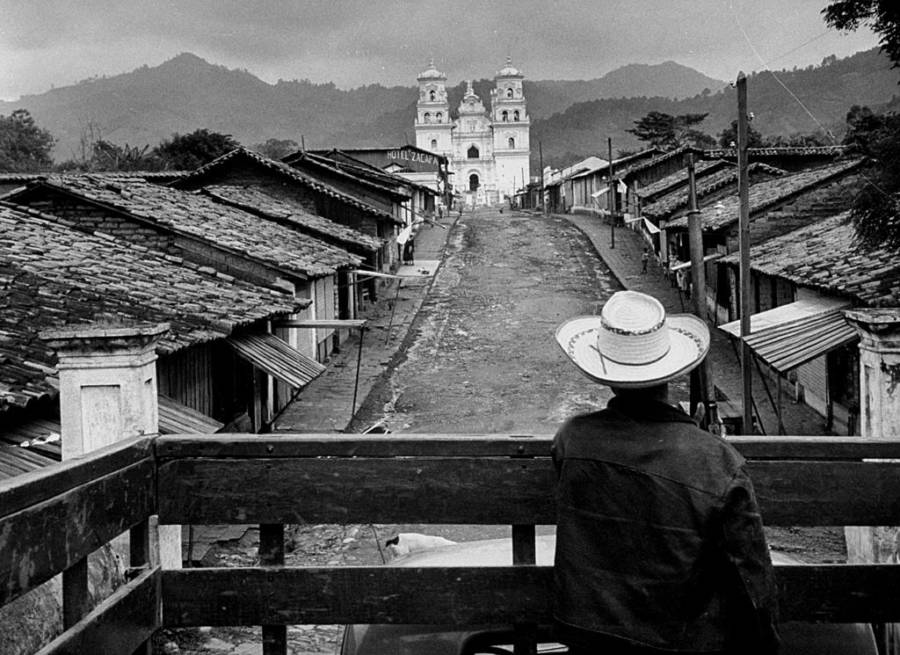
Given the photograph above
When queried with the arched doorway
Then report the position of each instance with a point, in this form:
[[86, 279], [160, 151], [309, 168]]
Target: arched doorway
[[473, 182]]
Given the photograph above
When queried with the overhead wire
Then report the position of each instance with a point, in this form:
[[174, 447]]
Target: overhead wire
[[767, 69]]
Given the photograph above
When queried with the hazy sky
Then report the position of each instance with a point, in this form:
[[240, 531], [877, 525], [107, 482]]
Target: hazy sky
[[353, 42]]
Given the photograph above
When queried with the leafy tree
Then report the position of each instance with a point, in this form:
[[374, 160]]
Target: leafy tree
[[876, 207], [882, 16], [23, 145], [728, 137], [277, 148], [189, 151], [818, 138], [667, 131], [108, 156]]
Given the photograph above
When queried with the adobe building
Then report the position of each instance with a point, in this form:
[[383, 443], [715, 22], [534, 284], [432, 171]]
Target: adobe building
[[488, 151]]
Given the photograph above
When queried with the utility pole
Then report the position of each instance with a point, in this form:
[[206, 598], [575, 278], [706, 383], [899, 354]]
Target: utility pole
[[543, 199], [611, 200], [702, 389], [744, 240]]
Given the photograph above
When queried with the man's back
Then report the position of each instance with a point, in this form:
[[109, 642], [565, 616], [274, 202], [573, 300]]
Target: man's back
[[652, 514]]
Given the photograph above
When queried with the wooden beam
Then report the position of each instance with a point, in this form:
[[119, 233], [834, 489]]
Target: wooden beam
[[29, 489], [40, 541], [225, 446], [120, 624], [471, 595], [479, 490], [228, 446], [357, 490], [349, 323], [254, 596]]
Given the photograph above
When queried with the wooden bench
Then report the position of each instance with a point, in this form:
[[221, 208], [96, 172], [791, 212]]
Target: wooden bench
[[51, 520]]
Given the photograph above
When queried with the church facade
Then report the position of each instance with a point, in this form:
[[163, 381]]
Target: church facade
[[488, 151]]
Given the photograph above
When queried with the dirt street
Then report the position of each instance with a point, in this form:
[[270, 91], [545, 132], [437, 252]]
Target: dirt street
[[481, 356]]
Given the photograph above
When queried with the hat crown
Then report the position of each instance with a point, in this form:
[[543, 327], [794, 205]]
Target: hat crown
[[633, 329]]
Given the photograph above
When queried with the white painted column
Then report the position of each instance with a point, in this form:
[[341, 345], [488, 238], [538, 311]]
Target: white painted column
[[108, 392], [879, 415]]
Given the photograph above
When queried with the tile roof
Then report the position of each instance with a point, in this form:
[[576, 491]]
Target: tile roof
[[765, 195], [52, 275], [789, 151], [671, 202], [702, 168], [198, 216], [291, 173], [650, 163], [255, 200], [826, 256]]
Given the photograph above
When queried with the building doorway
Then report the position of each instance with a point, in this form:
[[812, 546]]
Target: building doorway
[[473, 182]]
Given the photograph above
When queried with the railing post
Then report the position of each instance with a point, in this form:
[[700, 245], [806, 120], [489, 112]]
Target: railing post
[[879, 399], [525, 642], [271, 553], [107, 392]]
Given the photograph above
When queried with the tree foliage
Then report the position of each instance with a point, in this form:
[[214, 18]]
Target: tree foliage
[[190, 151], [882, 16], [876, 207], [108, 156], [728, 137], [23, 145], [666, 131], [277, 148]]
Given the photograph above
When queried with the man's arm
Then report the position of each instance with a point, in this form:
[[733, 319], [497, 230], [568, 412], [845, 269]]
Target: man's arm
[[751, 592]]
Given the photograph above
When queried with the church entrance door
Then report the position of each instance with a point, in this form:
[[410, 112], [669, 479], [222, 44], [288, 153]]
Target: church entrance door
[[473, 182]]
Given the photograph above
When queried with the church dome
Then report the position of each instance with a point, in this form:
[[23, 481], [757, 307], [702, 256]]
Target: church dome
[[509, 70], [431, 73]]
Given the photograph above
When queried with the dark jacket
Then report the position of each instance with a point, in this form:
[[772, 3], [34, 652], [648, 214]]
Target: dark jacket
[[659, 538]]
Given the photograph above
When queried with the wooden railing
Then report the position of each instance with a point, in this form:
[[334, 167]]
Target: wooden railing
[[51, 520]]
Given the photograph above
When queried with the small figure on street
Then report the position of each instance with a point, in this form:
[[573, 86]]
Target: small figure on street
[[645, 257], [660, 545], [409, 251]]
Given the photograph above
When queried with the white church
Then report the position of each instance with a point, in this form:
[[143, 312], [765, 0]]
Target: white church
[[488, 153]]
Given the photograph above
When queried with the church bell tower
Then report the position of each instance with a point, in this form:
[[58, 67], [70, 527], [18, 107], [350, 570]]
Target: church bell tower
[[511, 126], [433, 124]]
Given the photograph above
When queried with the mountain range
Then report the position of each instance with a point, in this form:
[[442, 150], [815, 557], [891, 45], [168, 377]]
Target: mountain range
[[571, 118]]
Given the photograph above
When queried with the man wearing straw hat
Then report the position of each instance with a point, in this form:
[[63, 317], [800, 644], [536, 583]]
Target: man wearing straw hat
[[660, 545]]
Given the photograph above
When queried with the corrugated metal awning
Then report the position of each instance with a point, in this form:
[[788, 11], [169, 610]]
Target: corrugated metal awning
[[175, 418], [793, 334], [272, 355]]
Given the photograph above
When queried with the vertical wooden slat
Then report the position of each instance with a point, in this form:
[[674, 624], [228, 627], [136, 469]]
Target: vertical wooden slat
[[271, 553], [525, 642], [75, 593], [139, 557]]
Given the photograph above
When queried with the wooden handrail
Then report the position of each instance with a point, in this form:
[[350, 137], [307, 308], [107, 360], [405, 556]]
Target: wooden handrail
[[51, 520]]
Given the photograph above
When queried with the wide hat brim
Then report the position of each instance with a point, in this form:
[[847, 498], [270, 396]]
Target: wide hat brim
[[688, 345]]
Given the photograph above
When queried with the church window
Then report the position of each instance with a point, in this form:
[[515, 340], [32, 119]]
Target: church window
[[472, 153], [511, 142], [427, 117], [504, 115], [438, 117], [516, 115], [473, 182], [509, 93], [431, 95], [434, 144]]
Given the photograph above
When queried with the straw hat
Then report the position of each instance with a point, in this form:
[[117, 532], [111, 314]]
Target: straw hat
[[633, 344]]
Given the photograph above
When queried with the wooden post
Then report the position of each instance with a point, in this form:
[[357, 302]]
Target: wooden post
[[525, 642], [271, 553], [744, 238], [544, 208], [611, 200], [702, 388]]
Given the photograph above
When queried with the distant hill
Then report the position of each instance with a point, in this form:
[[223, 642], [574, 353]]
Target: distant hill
[[187, 92], [571, 118], [823, 93]]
